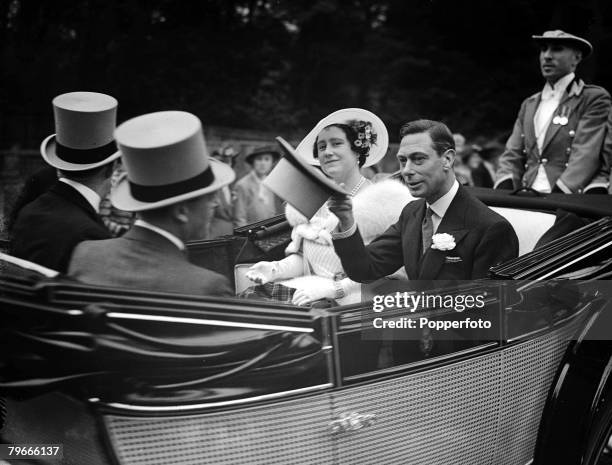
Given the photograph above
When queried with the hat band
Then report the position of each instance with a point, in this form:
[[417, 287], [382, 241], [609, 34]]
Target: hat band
[[166, 191], [85, 156]]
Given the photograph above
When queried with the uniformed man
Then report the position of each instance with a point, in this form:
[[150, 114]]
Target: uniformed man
[[559, 132]]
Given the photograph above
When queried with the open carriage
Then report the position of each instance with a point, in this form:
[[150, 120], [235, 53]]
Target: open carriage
[[131, 377]]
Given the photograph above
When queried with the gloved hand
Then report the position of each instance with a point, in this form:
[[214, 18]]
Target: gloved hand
[[309, 292], [263, 272], [342, 206], [288, 267]]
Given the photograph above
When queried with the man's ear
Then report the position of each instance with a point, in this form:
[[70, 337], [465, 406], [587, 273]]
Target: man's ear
[[578, 54], [181, 212], [448, 159]]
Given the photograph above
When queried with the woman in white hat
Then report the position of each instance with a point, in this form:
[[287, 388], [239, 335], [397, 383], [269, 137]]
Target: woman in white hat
[[341, 143]]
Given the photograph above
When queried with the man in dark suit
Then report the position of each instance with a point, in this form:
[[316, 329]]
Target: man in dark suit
[[171, 184], [83, 151], [559, 132], [449, 234]]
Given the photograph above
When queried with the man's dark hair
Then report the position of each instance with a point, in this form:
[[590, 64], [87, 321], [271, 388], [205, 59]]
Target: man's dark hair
[[81, 176], [441, 136]]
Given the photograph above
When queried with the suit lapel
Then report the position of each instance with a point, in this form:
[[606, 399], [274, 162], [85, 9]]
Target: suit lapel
[[565, 108], [412, 240], [529, 129], [453, 223]]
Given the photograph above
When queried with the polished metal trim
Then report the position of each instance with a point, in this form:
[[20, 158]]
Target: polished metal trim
[[552, 327], [565, 265], [427, 361], [529, 334], [182, 408], [206, 322], [48, 272]]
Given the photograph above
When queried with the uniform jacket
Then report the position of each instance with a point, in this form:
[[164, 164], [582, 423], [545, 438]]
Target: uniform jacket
[[142, 259], [248, 208], [483, 239], [570, 153], [603, 181], [48, 229]]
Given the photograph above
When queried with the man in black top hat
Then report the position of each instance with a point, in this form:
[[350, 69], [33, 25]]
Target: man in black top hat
[[559, 132], [83, 151]]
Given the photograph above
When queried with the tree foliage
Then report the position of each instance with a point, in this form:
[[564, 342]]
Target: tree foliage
[[280, 65]]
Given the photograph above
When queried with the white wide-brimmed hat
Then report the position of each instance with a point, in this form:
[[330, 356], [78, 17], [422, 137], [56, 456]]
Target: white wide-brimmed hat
[[300, 184], [377, 150], [84, 127], [166, 160], [564, 37]]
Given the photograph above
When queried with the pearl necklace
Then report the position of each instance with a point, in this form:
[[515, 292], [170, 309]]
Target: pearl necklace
[[357, 187]]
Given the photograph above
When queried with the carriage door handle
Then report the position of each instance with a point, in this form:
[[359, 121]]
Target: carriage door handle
[[351, 422]]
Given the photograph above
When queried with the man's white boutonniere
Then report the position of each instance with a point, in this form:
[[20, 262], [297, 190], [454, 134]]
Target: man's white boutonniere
[[442, 241]]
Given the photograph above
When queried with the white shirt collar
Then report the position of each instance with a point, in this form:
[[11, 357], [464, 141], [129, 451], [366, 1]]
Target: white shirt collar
[[90, 195], [440, 206], [558, 88], [162, 232]]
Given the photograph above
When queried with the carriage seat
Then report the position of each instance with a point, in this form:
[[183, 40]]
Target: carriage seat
[[528, 225]]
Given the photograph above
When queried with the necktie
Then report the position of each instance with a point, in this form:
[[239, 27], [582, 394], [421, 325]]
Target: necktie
[[427, 230]]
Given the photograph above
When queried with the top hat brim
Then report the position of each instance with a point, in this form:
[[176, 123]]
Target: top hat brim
[[300, 184], [122, 198], [306, 168], [583, 45], [377, 151], [49, 154]]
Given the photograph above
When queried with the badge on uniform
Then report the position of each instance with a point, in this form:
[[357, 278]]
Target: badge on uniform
[[562, 119]]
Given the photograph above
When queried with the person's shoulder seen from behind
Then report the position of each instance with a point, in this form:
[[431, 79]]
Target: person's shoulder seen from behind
[[173, 206]]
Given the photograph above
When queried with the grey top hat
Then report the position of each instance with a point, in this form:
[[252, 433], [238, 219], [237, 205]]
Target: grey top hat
[[166, 160], [561, 36], [299, 183], [84, 127]]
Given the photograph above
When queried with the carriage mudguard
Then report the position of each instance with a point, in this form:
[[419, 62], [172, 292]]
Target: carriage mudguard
[[577, 417]]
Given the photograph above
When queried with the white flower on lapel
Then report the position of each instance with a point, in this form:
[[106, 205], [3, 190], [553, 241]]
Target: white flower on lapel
[[442, 241]]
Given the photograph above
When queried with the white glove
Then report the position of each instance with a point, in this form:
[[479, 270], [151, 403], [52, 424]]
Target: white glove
[[322, 288], [288, 267], [263, 272], [309, 292]]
